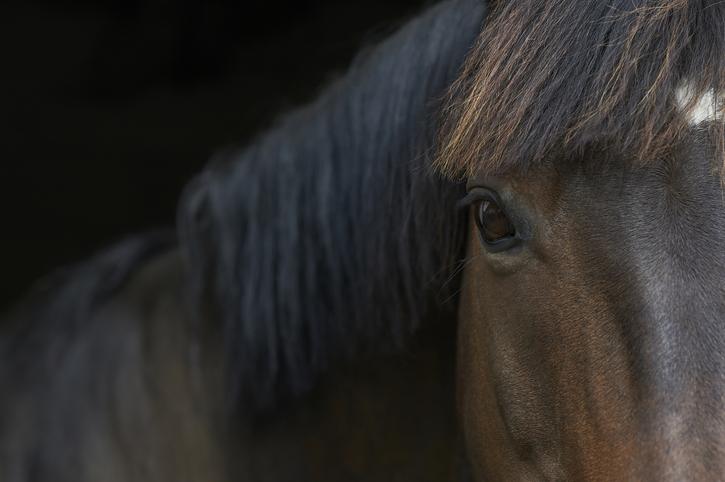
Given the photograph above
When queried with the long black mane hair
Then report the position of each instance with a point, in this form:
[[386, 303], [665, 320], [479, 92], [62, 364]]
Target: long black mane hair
[[331, 235], [327, 237]]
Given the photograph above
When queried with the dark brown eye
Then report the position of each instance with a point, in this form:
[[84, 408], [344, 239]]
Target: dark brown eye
[[497, 231], [494, 225]]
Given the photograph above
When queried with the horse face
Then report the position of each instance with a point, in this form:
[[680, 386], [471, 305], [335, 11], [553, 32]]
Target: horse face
[[592, 321]]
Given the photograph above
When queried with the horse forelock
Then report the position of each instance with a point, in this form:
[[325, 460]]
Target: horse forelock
[[551, 79]]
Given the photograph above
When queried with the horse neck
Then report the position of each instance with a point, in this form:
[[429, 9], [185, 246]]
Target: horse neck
[[385, 418]]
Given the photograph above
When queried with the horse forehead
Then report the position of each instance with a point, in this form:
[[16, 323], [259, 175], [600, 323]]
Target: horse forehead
[[692, 158], [662, 208]]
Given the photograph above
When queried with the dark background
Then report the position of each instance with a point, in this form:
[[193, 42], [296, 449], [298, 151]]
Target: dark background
[[108, 107]]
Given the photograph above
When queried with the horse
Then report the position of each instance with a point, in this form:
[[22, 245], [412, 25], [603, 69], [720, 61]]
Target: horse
[[591, 137], [492, 251]]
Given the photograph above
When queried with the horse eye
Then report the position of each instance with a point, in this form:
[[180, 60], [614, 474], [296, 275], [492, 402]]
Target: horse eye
[[496, 229], [498, 233]]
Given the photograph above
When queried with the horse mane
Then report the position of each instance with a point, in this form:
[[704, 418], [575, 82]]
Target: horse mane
[[60, 304], [330, 235], [53, 338], [555, 77]]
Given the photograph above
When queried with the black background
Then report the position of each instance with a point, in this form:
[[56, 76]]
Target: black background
[[108, 107]]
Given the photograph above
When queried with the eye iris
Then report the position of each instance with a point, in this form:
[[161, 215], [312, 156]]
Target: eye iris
[[493, 222]]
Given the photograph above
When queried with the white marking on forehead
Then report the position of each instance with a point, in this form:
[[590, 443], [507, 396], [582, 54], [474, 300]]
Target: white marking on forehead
[[708, 107]]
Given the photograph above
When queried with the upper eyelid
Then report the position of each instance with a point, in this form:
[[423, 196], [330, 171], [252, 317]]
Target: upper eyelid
[[491, 183], [477, 193]]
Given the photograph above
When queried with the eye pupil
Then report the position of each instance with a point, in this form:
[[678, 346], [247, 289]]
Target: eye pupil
[[493, 223]]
